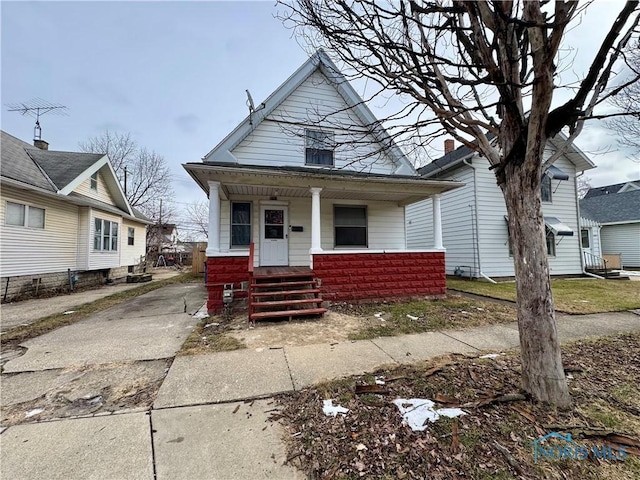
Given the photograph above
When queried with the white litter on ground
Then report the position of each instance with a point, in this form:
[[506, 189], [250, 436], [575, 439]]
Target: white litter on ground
[[69, 312], [417, 411], [411, 317], [379, 380], [377, 315], [491, 355], [214, 324], [33, 412], [200, 314], [331, 410]]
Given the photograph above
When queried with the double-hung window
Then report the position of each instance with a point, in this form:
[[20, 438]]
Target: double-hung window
[[94, 182], [131, 235], [22, 215], [350, 225], [105, 235], [240, 224], [545, 189], [319, 147]]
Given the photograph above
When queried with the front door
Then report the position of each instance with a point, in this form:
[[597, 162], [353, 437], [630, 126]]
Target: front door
[[274, 242]]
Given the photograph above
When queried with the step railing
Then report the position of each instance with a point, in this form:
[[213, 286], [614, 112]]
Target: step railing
[[596, 262]]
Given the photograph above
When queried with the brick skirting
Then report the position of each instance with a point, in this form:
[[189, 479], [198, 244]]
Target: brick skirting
[[380, 276], [221, 270]]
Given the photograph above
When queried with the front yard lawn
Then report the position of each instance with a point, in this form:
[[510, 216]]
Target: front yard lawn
[[494, 439], [579, 296]]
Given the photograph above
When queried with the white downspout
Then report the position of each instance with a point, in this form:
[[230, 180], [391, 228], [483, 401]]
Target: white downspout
[[475, 226]]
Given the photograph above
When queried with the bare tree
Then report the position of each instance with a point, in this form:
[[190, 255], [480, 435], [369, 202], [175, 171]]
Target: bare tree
[[627, 100], [474, 68], [198, 218], [144, 173], [584, 185]]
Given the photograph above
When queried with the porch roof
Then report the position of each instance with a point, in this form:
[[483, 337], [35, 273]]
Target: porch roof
[[296, 181]]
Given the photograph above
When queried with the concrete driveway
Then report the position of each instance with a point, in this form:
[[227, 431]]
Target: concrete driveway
[[149, 327]]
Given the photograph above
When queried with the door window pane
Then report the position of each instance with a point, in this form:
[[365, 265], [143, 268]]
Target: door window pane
[[273, 232], [274, 217]]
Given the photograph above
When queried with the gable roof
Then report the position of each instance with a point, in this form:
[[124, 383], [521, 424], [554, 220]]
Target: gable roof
[[615, 188], [457, 156], [58, 172], [318, 61], [615, 208]]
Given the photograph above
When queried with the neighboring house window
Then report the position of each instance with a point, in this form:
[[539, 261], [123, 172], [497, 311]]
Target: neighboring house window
[[240, 224], [22, 215], [319, 147], [584, 237], [551, 242], [350, 226], [105, 235], [545, 188], [94, 182], [131, 233]]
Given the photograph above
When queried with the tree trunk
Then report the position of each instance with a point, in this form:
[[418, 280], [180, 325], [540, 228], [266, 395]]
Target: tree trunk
[[542, 371]]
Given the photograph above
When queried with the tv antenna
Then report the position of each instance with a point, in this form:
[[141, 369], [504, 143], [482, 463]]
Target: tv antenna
[[34, 108], [252, 107]]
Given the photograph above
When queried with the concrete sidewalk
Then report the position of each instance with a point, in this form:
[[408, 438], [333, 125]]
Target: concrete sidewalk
[[28, 311], [206, 422]]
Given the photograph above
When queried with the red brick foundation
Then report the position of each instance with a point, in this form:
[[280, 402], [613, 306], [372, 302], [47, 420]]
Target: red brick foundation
[[380, 276], [221, 270]]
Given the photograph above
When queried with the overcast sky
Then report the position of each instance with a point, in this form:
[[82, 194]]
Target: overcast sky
[[174, 75]]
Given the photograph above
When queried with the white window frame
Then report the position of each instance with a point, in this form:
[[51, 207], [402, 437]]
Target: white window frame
[[311, 145], [93, 182], [550, 238], [365, 226], [582, 232], [106, 233], [26, 218], [231, 224], [131, 236]]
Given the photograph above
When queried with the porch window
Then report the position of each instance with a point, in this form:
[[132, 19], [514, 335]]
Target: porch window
[[319, 147], [105, 235], [240, 224], [545, 189], [551, 242], [350, 226], [22, 215], [131, 235], [94, 182], [584, 238]]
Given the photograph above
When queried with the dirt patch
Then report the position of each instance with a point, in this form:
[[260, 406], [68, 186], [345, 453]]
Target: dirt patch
[[496, 436], [36, 396]]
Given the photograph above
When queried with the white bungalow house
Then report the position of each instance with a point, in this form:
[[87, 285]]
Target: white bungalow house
[[474, 218], [64, 220], [310, 191], [611, 223]]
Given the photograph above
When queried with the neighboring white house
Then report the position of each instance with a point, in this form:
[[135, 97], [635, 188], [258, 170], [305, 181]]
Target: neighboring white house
[[615, 210], [313, 181], [63, 217], [474, 221]]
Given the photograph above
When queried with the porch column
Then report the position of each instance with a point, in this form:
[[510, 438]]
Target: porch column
[[437, 222], [213, 245], [316, 236]]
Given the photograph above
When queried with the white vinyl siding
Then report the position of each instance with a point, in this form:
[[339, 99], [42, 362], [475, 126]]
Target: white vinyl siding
[[385, 224], [131, 254], [26, 251], [622, 239], [102, 193], [457, 213], [280, 139]]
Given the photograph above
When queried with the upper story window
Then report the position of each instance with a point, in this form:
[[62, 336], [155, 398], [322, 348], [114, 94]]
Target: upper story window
[[319, 147], [22, 215], [105, 235], [94, 182], [545, 189], [240, 224]]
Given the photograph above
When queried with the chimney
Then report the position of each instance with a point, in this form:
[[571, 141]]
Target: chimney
[[449, 146], [41, 144]]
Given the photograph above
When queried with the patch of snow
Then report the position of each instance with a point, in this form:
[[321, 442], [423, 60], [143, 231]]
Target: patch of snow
[[200, 314], [214, 324], [491, 355], [331, 410], [69, 312], [33, 412], [377, 315], [411, 317], [379, 380], [417, 411]]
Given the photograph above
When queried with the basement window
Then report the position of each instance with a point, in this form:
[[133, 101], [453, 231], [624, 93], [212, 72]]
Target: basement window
[[350, 225]]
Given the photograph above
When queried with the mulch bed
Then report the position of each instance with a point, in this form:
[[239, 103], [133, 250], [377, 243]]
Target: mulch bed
[[494, 439]]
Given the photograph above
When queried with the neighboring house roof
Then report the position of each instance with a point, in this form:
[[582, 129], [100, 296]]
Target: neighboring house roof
[[60, 173], [457, 156], [616, 188], [614, 208], [318, 61]]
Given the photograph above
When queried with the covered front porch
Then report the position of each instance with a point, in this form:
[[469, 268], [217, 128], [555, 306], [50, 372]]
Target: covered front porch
[[347, 228]]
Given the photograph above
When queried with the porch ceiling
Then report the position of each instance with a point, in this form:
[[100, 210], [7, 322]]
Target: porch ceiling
[[336, 184]]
